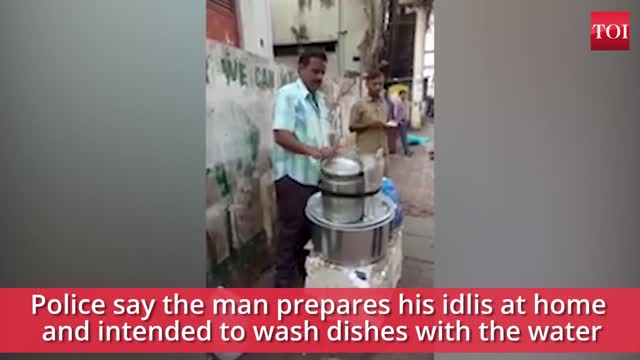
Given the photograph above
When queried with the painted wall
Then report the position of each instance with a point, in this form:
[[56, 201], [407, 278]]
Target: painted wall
[[254, 18], [343, 21], [320, 17], [355, 24], [240, 208]]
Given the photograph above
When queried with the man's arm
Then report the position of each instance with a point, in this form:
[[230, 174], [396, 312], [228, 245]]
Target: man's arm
[[289, 142], [283, 129]]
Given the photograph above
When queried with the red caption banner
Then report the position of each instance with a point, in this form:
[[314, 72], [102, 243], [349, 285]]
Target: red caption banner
[[318, 320]]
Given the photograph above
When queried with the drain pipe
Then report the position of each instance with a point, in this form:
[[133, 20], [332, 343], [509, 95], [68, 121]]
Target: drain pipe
[[417, 88], [340, 47]]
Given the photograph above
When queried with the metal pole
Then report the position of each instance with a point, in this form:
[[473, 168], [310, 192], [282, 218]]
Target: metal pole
[[417, 88], [340, 46]]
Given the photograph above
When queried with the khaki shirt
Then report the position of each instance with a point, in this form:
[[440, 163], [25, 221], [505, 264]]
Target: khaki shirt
[[368, 119]]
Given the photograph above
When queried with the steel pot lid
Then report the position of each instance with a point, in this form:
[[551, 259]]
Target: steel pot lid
[[384, 211], [342, 166]]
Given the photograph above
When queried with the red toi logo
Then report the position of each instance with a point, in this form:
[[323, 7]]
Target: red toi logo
[[610, 30]]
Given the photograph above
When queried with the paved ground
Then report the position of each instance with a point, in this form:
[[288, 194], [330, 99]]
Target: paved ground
[[413, 177], [414, 181], [417, 266]]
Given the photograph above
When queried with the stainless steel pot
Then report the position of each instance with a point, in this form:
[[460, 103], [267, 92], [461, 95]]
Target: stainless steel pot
[[342, 184], [356, 244]]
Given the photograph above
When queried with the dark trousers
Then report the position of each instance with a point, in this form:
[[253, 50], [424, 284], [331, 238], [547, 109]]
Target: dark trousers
[[403, 128], [294, 230]]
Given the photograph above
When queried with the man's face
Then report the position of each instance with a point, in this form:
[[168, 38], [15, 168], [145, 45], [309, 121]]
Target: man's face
[[313, 73], [375, 86], [403, 96]]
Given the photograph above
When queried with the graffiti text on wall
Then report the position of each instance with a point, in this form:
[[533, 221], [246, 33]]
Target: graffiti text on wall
[[238, 71]]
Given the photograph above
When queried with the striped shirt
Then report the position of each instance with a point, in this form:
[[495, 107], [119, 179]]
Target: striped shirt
[[303, 113], [401, 113]]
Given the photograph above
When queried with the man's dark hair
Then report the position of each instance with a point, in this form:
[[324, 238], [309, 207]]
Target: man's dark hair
[[307, 55], [374, 74], [402, 92]]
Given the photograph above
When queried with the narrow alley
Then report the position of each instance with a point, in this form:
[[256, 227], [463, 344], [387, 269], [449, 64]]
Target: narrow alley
[[254, 48]]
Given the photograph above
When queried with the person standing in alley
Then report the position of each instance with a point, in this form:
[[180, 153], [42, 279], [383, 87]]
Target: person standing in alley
[[402, 118], [369, 117], [301, 132]]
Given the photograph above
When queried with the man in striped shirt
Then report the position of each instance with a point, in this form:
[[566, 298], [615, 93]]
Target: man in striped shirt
[[402, 118], [301, 132]]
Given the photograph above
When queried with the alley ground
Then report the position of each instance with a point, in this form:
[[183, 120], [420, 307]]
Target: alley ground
[[413, 177], [414, 181]]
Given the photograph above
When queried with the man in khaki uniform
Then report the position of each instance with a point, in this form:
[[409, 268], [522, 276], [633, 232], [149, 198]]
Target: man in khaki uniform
[[369, 117]]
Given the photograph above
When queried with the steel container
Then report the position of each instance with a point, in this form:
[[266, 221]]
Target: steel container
[[355, 244], [342, 184]]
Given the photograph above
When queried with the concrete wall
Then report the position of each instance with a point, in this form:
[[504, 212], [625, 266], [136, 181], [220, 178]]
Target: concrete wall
[[355, 24], [239, 93], [254, 18], [321, 21], [240, 213], [343, 21]]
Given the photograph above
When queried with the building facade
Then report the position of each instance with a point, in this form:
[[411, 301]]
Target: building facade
[[399, 42], [245, 24], [337, 26]]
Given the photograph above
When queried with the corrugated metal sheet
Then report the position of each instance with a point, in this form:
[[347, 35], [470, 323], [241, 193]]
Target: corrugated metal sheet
[[222, 22]]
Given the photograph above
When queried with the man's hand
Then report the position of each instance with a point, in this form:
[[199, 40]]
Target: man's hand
[[328, 152], [372, 125], [315, 153], [287, 140], [322, 153]]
